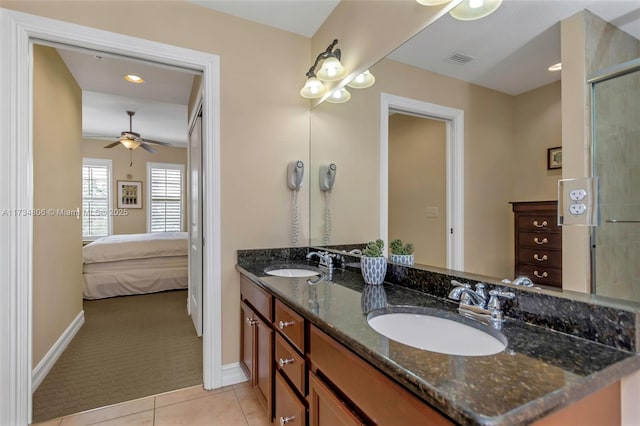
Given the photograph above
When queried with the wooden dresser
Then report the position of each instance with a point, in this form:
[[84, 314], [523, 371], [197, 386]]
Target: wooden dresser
[[538, 242]]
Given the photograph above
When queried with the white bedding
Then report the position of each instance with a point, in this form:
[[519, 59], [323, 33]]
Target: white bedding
[[121, 265]]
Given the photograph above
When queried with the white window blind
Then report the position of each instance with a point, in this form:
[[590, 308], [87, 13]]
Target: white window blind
[[96, 198], [164, 197]]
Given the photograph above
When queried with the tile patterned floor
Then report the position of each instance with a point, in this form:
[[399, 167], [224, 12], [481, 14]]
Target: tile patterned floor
[[229, 406]]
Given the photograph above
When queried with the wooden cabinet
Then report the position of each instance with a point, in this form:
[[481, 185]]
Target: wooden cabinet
[[538, 242], [326, 408], [290, 410], [256, 341]]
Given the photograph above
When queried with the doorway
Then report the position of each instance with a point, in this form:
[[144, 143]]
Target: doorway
[[454, 155], [17, 190]]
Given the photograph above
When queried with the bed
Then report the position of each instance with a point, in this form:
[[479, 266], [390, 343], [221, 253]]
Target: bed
[[120, 265]]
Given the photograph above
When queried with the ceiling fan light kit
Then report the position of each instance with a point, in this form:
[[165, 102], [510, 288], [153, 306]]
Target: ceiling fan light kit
[[470, 10]]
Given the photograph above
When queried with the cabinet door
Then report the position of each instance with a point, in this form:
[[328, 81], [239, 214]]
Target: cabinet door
[[290, 410], [325, 408], [264, 364], [247, 341]]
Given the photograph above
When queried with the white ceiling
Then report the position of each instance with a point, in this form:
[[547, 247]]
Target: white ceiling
[[512, 49]]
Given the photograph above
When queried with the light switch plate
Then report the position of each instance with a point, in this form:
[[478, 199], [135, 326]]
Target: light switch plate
[[578, 201]]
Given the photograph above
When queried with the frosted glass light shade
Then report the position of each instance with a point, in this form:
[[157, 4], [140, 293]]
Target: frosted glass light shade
[[331, 70], [313, 88], [339, 96], [362, 81], [130, 144], [470, 10], [432, 2]]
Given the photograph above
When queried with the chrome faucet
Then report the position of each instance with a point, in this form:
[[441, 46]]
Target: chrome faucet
[[325, 258], [476, 302]]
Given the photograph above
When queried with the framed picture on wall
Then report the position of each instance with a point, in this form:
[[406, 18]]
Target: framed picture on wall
[[129, 194], [554, 158]]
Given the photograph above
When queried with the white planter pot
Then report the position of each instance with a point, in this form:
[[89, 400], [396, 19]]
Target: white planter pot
[[402, 259], [373, 269], [373, 297]]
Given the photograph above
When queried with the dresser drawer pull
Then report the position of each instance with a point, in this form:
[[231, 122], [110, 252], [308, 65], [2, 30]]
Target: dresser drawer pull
[[285, 420], [540, 259], [543, 241], [538, 225], [283, 324], [540, 275], [284, 362], [251, 321]]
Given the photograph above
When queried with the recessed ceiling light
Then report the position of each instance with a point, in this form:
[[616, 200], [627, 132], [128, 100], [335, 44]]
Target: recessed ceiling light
[[132, 78], [555, 67]]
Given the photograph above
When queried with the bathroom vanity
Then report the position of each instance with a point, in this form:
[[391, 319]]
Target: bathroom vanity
[[313, 358]]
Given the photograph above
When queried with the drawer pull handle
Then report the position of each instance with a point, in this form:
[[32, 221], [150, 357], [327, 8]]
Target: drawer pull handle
[[251, 321], [540, 259], [283, 324], [538, 225], [543, 241], [285, 420], [284, 362], [539, 275]]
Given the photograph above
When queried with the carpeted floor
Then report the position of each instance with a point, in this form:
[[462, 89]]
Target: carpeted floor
[[129, 347]]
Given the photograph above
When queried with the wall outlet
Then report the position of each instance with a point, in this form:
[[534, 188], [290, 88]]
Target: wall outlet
[[432, 212], [578, 201]]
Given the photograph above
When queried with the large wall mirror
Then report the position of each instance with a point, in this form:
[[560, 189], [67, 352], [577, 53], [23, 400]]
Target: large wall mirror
[[493, 70]]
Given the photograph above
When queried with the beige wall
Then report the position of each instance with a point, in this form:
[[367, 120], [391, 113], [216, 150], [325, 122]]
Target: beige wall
[[57, 240], [135, 222], [417, 181], [264, 121]]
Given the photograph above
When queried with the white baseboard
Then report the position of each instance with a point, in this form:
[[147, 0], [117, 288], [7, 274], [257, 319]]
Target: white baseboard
[[232, 374], [48, 361]]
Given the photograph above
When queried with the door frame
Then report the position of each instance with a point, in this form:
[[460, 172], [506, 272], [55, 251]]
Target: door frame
[[454, 124], [17, 32]]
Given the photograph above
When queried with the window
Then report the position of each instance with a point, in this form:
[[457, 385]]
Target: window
[[96, 198], [164, 199]]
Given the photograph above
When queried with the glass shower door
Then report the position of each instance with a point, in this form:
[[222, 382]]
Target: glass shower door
[[616, 160]]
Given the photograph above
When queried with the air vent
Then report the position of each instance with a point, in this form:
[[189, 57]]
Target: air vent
[[460, 58]]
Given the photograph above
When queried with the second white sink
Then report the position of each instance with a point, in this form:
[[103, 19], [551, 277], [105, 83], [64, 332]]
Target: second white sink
[[292, 273], [437, 334]]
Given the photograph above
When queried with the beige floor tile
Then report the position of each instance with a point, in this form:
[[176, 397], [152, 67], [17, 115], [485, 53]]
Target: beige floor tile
[[139, 419], [249, 403], [258, 421], [54, 422], [221, 409], [244, 384], [108, 413], [187, 394]]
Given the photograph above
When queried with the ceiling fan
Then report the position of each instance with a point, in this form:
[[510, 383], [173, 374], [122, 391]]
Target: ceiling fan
[[131, 140]]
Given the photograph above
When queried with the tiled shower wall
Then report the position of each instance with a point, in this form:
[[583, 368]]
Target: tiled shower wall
[[617, 161]]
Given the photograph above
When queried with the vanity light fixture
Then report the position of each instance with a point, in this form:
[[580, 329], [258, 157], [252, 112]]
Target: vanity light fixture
[[331, 70], [135, 79], [432, 2], [555, 67], [362, 81], [339, 96], [470, 10]]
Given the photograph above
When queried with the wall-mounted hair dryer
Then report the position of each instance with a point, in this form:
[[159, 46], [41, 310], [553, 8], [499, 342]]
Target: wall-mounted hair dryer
[[295, 173], [327, 176]]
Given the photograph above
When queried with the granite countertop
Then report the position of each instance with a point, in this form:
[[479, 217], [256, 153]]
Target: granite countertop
[[540, 370]]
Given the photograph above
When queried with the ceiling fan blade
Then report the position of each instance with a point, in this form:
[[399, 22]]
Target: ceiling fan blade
[[155, 142], [111, 145], [147, 148]]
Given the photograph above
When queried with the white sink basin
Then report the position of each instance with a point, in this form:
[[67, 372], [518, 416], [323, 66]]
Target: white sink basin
[[292, 272], [437, 334]]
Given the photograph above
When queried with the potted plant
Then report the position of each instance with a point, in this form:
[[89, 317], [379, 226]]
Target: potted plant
[[373, 263], [401, 253]]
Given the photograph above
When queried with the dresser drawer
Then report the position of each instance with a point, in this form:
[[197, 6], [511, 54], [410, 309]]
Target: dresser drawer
[[538, 223], [290, 363], [540, 256], [541, 274], [540, 239], [290, 324], [290, 410], [258, 298]]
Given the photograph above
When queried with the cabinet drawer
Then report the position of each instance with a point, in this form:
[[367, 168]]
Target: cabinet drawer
[[290, 324], [326, 408], [258, 298], [540, 256], [541, 274], [540, 239], [290, 363], [290, 410], [538, 223]]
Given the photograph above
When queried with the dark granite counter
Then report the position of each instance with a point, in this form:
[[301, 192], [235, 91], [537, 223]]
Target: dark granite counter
[[539, 372]]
